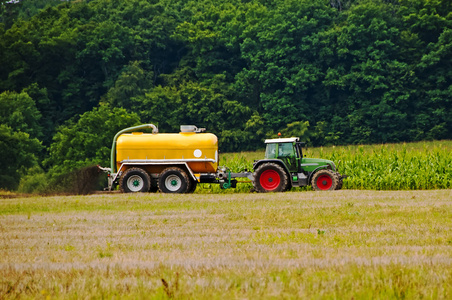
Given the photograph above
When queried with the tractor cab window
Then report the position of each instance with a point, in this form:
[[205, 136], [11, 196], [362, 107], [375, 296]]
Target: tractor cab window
[[270, 151], [286, 150], [286, 153]]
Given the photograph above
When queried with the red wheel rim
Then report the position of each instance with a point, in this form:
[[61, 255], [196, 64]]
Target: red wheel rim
[[270, 180], [324, 182]]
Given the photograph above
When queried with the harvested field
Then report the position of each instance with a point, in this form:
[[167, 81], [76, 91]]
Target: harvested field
[[343, 244]]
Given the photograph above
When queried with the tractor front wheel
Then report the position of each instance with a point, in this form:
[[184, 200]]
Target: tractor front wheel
[[324, 180], [270, 177], [135, 180], [174, 180]]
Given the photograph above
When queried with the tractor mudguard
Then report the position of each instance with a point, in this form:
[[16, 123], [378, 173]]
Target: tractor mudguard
[[310, 174], [257, 163]]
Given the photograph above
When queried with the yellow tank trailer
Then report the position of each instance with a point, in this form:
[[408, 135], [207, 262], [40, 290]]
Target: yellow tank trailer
[[198, 150], [169, 162]]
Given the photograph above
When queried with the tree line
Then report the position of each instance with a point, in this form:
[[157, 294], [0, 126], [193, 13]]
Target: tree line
[[74, 73]]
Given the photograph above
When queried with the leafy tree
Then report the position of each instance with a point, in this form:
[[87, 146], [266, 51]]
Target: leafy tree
[[430, 23], [297, 129], [42, 103], [17, 154], [19, 112], [9, 10], [359, 71], [364, 82], [134, 81], [87, 140], [19, 133], [282, 70]]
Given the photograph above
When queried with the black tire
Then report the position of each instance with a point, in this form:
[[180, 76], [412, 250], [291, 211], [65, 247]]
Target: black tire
[[340, 182], [270, 177], [135, 180], [324, 180], [193, 185], [174, 180]]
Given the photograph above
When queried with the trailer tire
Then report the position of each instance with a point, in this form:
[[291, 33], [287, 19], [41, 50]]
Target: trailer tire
[[324, 180], [193, 185], [174, 180], [135, 180], [270, 177]]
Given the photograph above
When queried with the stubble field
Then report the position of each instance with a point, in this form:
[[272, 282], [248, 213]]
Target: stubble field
[[323, 245]]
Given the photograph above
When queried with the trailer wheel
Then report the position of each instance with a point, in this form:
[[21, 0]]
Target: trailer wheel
[[174, 180], [270, 177], [324, 180], [135, 180], [193, 185]]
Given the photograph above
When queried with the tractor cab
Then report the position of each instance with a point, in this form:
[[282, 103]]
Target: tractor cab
[[288, 150]]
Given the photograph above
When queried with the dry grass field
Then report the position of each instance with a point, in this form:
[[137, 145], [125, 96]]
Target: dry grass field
[[345, 244]]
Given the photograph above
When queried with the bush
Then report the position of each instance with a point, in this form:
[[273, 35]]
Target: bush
[[34, 184]]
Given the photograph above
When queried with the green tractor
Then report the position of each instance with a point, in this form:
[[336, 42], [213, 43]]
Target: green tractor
[[285, 167]]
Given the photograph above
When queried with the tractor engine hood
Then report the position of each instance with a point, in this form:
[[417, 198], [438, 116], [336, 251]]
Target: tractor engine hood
[[310, 164]]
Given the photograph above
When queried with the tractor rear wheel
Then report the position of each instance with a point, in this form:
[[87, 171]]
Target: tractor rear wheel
[[174, 180], [324, 180], [340, 182], [270, 177], [135, 180]]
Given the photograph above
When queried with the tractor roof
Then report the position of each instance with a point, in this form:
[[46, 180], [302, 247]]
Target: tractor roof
[[284, 140]]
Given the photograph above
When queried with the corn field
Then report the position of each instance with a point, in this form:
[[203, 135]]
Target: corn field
[[405, 166]]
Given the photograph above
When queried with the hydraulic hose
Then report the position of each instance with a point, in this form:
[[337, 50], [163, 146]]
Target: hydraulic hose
[[130, 129]]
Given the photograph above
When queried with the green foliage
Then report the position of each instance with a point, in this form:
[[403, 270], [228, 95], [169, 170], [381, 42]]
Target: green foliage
[[35, 182], [19, 133], [8, 12], [24, 9], [18, 111], [133, 82], [296, 129], [87, 140], [18, 152]]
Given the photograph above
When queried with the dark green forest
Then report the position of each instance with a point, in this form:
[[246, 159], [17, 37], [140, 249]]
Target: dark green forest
[[73, 73]]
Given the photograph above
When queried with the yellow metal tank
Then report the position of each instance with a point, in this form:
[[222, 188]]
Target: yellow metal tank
[[198, 150]]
